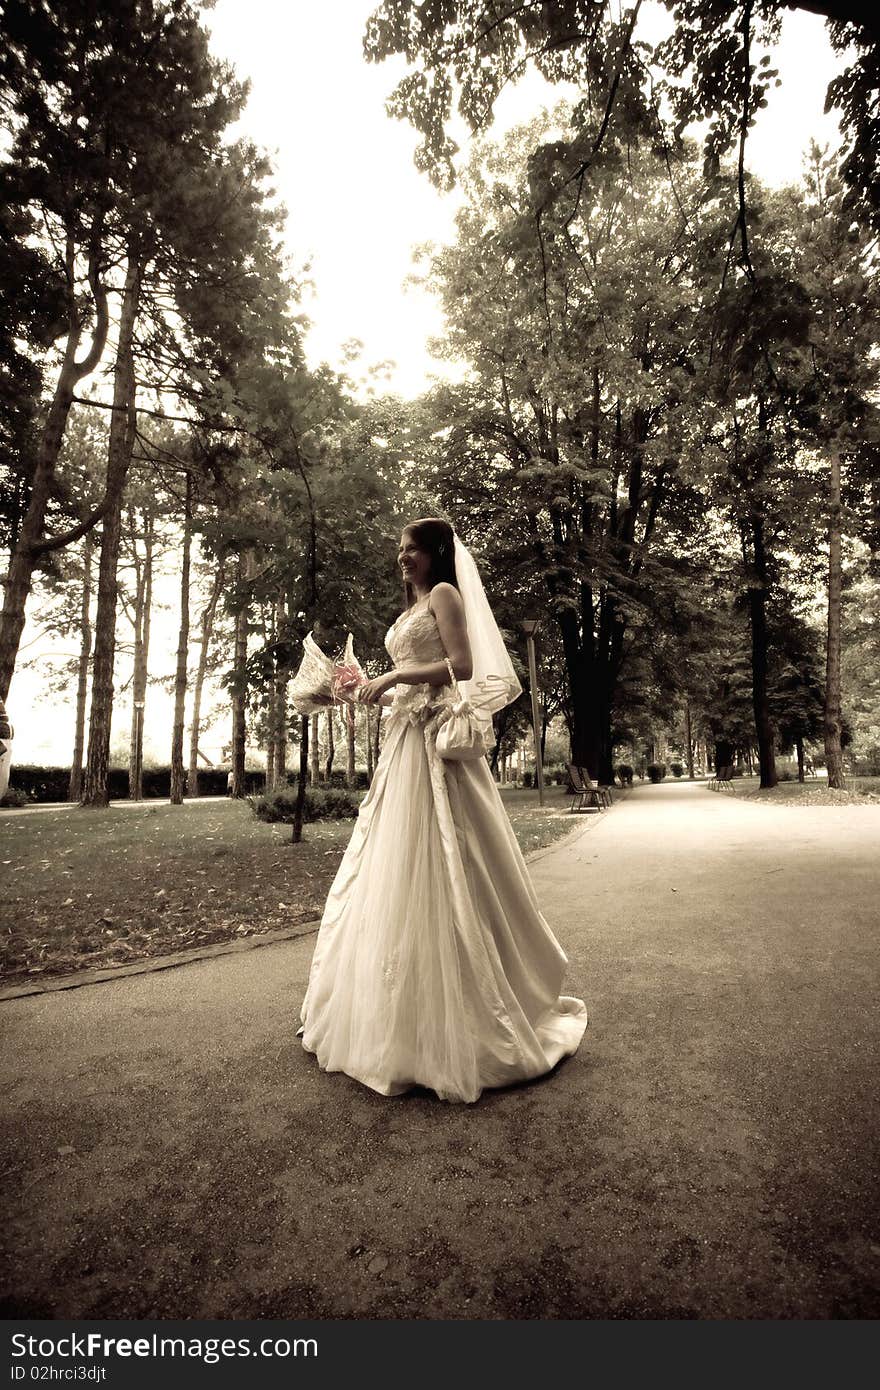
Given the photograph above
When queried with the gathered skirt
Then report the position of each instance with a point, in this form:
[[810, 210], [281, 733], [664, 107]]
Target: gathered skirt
[[433, 965]]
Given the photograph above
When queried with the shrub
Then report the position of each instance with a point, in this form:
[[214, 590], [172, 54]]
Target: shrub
[[554, 775], [15, 797], [338, 778], [624, 775], [656, 771], [331, 803], [676, 769]]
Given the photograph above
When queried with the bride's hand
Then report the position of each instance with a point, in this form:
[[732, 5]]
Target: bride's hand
[[371, 692]]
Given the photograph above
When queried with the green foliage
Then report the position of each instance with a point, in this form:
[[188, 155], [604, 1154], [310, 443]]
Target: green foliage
[[15, 797], [706, 70], [32, 311], [656, 771], [854, 93], [39, 783], [568, 445], [320, 804]]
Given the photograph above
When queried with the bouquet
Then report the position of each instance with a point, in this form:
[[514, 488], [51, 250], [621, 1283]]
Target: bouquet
[[321, 681]]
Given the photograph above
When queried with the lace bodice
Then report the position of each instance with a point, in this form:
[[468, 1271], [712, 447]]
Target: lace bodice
[[413, 640]]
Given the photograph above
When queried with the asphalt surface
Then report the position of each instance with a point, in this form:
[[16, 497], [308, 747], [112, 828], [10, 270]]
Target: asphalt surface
[[170, 1150]]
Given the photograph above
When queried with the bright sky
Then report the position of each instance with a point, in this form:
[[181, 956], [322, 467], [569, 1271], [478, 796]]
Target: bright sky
[[357, 206]]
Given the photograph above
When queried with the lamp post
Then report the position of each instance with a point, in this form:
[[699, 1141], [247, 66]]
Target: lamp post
[[138, 749], [529, 627]]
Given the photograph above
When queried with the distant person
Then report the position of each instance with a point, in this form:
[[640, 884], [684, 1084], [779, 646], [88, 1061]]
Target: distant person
[[6, 734]]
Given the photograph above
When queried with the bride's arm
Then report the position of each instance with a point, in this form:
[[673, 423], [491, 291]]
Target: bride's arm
[[430, 673], [449, 613]]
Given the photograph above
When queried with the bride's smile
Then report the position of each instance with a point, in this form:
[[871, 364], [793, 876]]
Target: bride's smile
[[415, 565]]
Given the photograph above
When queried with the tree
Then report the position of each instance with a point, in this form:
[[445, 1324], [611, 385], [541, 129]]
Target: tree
[[178, 780], [839, 400], [32, 306], [568, 445], [465, 50], [206, 634], [141, 616], [797, 697], [120, 149]]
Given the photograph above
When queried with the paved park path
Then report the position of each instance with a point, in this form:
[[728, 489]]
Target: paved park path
[[170, 1151]]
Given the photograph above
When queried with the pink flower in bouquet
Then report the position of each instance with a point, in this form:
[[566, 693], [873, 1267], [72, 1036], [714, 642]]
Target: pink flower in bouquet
[[345, 680]]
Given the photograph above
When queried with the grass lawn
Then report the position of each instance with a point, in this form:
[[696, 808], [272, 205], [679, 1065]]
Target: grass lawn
[[101, 888], [814, 791]]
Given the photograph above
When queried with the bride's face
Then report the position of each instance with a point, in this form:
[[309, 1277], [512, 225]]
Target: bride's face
[[415, 564]]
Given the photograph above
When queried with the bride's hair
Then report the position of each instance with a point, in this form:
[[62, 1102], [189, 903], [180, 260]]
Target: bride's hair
[[435, 536]]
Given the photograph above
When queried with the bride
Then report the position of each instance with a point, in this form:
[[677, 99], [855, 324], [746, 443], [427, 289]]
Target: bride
[[433, 965]]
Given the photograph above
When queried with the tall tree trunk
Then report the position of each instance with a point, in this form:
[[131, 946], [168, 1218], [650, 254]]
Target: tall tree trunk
[[206, 625], [331, 743], [300, 801], [239, 697], [26, 550], [832, 721], [757, 597], [270, 638], [270, 763], [178, 783], [282, 676], [134, 733], [799, 749], [315, 750], [376, 737], [85, 649], [350, 736], [119, 457], [688, 740], [142, 614]]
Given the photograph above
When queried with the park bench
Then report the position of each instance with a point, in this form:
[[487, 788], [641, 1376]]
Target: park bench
[[722, 781], [600, 786], [586, 792]]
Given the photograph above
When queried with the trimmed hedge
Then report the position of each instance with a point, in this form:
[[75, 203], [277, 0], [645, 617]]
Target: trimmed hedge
[[51, 783]]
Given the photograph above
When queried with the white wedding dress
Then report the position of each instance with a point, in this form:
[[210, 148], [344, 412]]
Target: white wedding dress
[[433, 964]]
